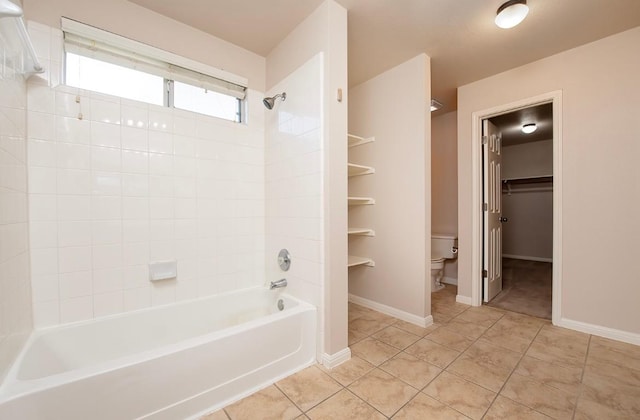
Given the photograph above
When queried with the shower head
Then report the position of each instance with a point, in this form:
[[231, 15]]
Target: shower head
[[269, 102]]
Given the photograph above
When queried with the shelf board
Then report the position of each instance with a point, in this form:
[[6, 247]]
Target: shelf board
[[355, 170], [361, 232], [360, 201], [354, 140], [353, 261], [529, 180]]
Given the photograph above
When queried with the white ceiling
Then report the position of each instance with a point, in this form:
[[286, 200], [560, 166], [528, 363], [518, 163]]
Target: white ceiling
[[459, 35]]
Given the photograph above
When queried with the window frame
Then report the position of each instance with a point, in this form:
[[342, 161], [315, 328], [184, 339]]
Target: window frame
[[87, 41]]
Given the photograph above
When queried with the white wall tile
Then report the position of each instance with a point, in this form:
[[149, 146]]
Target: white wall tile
[[106, 207], [73, 130], [105, 111], [72, 207], [106, 159], [76, 284], [136, 185], [136, 277], [106, 232], [42, 180], [46, 314], [44, 288], [42, 153], [135, 139], [160, 119], [104, 134], [134, 161], [135, 231], [135, 116], [137, 298], [73, 259], [73, 182], [106, 183], [135, 208], [76, 309], [107, 257], [108, 303], [135, 253], [73, 156], [43, 234], [108, 280], [163, 293], [44, 262], [160, 142]]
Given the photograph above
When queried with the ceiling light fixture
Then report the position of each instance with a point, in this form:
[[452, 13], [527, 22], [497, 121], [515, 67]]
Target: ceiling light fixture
[[435, 105], [529, 128], [511, 13]]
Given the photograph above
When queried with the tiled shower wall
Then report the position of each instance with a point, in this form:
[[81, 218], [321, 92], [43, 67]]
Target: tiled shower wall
[[294, 177], [115, 184], [15, 291]]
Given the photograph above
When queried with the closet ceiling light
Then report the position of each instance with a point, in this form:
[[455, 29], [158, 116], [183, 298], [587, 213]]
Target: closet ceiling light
[[435, 105], [511, 13], [529, 128]]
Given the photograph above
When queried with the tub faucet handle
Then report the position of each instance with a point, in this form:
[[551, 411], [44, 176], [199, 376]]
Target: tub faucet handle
[[278, 284]]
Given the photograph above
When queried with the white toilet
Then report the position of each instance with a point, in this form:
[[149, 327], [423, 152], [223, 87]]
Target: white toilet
[[443, 247]]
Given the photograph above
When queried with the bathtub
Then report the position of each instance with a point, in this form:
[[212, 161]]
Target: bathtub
[[172, 362]]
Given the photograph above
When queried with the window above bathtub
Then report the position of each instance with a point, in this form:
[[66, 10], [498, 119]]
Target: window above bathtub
[[107, 63]]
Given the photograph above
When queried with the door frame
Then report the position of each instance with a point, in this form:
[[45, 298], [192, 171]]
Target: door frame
[[554, 97]]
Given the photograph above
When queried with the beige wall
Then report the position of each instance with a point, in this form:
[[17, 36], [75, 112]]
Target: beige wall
[[392, 107], [444, 182], [143, 25], [601, 193], [325, 31]]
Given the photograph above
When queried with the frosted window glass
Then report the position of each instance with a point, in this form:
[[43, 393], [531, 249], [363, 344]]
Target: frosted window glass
[[196, 99], [99, 76]]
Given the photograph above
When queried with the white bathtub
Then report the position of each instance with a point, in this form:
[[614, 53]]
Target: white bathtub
[[170, 362]]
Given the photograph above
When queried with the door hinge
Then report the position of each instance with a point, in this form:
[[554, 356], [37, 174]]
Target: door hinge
[[485, 140], [485, 274], [485, 206]]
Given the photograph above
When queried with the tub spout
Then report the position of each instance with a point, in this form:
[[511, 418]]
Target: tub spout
[[278, 284]]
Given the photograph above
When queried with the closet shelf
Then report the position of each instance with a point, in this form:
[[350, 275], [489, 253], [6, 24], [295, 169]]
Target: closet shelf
[[356, 170], [528, 180], [354, 140], [353, 261], [361, 232], [360, 201]]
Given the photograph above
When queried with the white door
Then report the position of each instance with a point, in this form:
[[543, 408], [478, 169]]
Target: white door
[[492, 194]]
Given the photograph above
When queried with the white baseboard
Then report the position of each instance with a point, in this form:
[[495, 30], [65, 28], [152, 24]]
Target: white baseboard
[[606, 332], [527, 258], [332, 360], [450, 280], [388, 310], [463, 299]]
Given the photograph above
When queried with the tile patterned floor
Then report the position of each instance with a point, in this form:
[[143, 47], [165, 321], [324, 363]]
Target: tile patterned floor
[[473, 363]]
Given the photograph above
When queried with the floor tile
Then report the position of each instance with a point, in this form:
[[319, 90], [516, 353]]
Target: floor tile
[[350, 370], [383, 391], [414, 329], [611, 392], [355, 336], [449, 339], [560, 377], [308, 387], [504, 408], [344, 405], [270, 403], [560, 346], [411, 370], [432, 352], [218, 415], [396, 337], [467, 329], [481, 315], [373, 351], [550, 401], [468, 368], [468, 398], [424, 407], [367, 326], [615, 352], [589, 409]]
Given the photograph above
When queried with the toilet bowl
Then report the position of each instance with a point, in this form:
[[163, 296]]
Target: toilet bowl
[[443, 247]]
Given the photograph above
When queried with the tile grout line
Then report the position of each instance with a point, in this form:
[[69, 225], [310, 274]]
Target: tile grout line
[[584, 368], [499, 393]]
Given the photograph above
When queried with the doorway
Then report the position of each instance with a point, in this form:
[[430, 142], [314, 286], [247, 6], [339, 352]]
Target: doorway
[[518, 210], [477, 237]]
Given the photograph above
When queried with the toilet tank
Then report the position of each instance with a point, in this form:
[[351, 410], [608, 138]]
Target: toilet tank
[[444, 246]]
